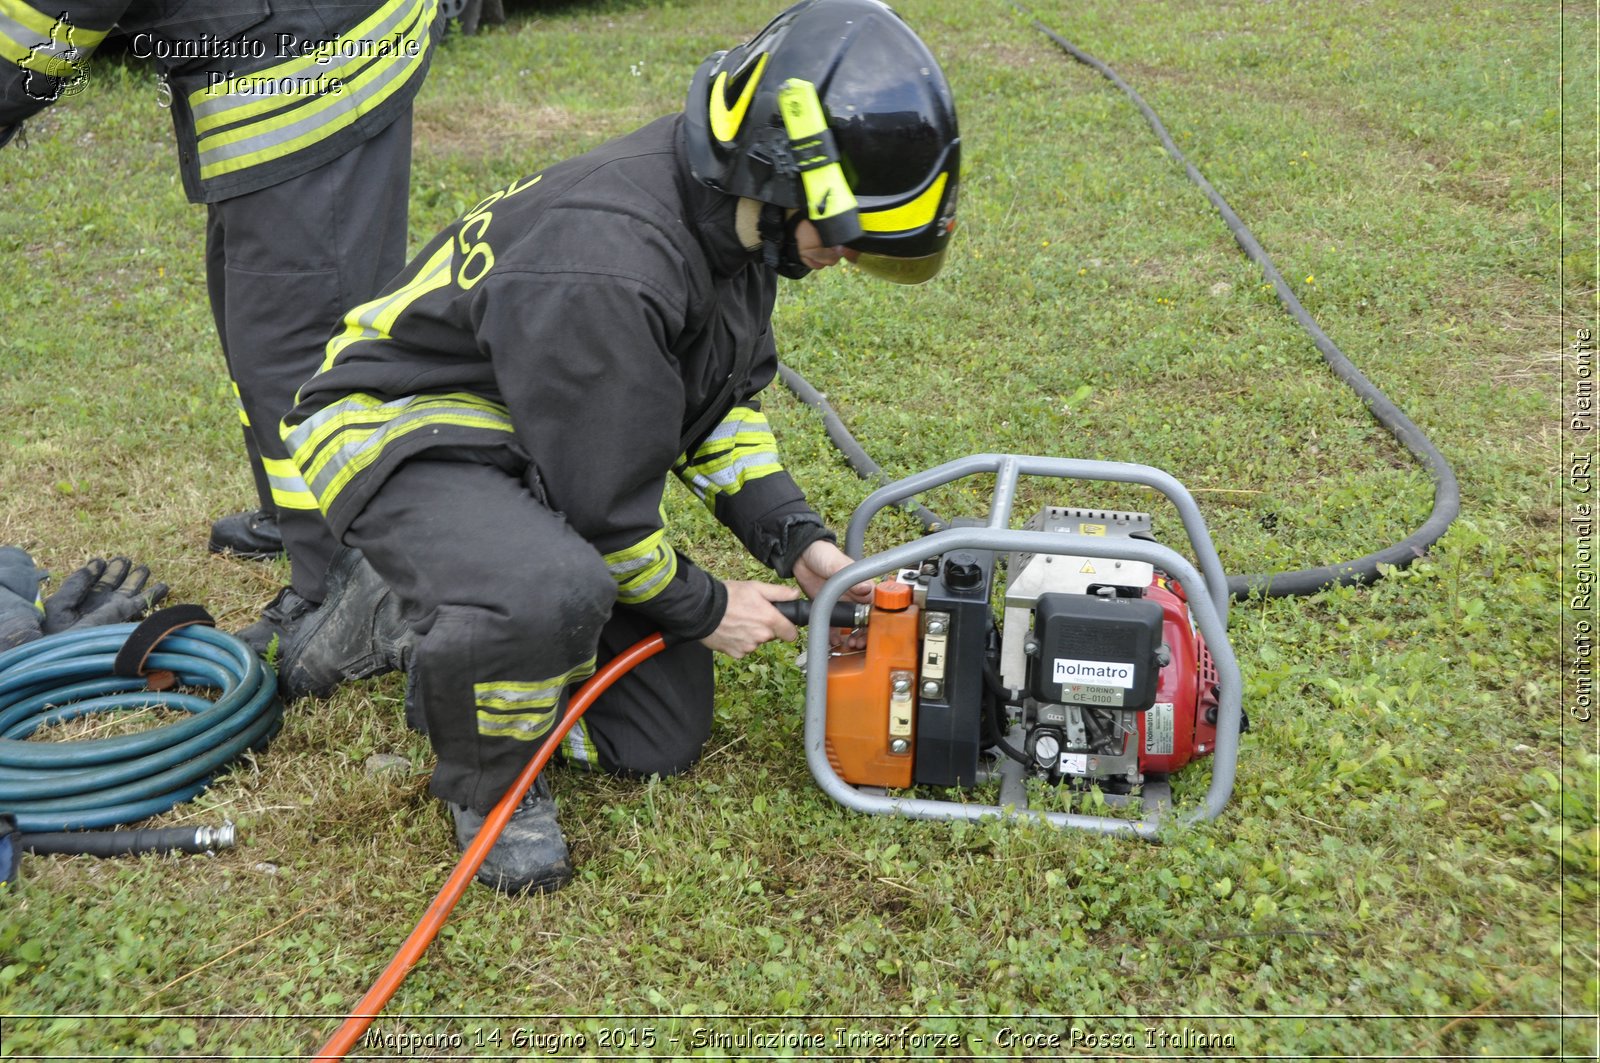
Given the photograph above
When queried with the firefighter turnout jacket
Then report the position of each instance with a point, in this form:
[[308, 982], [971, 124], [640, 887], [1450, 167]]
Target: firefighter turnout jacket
[[260, 90], [603, 320]]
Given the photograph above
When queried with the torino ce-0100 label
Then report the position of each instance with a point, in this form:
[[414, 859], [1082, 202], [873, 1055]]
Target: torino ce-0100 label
[[1077, 694], [1094, 673]]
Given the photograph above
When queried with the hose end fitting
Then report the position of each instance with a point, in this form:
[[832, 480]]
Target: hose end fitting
[[214, 837]]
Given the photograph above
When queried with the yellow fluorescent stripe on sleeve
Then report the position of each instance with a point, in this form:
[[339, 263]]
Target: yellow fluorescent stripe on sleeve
[[29, 17], [33, 40], [739, 450], [907, 216], [644, 569], [741, 426], [210, 112], [729, 481], [320, 131], [41, 62], [742, 467]]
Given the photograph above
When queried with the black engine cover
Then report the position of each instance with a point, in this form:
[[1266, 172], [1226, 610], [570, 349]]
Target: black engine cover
[[1096, 651]]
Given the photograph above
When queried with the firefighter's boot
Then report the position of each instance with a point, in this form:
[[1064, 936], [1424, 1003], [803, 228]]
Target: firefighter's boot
[[249, 535], [278, 622], [530, 854], [357, 632]]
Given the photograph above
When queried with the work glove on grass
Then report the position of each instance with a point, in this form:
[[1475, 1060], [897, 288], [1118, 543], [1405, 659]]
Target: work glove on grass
[[21, 609], [101, 592]]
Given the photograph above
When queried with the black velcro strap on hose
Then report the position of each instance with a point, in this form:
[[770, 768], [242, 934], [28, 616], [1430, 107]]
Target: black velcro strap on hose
[[158, 625]]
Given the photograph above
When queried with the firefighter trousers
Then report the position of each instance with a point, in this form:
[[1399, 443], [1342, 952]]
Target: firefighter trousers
[[283, 265], [512, 607]]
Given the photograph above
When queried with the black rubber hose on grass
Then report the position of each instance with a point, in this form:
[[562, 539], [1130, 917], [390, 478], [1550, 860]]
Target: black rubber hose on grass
[[846, 444], [107, 843], [1365, 569]]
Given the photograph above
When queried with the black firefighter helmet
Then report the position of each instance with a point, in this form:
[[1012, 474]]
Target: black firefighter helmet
[[838, 109]]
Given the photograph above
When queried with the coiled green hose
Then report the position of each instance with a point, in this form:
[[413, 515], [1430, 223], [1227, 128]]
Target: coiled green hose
[[54, 786]]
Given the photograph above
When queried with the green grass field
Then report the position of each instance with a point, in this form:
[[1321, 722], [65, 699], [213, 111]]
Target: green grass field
[[1408, 866]]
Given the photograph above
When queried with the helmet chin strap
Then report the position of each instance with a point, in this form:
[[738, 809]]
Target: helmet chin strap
[[778, 247]]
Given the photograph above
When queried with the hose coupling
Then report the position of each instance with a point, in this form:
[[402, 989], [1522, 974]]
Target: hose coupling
[[214, 837]]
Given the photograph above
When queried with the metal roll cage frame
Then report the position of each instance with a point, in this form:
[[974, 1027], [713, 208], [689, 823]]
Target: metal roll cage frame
[[1208, 601]]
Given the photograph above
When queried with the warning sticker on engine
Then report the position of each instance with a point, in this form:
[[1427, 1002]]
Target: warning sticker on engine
[[1098, 673], [1158, 728]]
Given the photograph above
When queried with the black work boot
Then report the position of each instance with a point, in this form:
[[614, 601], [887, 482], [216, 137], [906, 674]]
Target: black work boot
[[530, 854], [282, 617], [357, 632], [249, 535]]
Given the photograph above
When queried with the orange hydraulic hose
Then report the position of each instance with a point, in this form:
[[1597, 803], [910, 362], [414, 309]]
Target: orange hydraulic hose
[[427, 928]]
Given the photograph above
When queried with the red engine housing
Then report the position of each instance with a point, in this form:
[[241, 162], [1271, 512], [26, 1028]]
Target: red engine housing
[[1182, 724]]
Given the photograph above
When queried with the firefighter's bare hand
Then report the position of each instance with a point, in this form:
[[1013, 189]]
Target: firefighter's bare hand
[[821, 560], [750, 619]]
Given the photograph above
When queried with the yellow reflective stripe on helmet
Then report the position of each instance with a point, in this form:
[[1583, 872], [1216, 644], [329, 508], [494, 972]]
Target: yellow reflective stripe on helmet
[[334, 444], [644, 569], [43, 43], [725, 121], [373, 320], [737, 451], [827, 192], [913, 215], [289, 491], [224, 104], [524, 710]]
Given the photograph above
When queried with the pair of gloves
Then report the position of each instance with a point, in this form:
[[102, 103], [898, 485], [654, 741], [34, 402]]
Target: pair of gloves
[[101, 592]]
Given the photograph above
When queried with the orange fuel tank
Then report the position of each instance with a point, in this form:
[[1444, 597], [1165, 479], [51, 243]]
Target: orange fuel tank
[[872, 695]]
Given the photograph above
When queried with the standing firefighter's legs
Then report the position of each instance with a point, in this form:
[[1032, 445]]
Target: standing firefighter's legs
[[283, 264]]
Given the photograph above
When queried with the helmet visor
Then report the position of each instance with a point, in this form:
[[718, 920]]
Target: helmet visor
[[902, 270]]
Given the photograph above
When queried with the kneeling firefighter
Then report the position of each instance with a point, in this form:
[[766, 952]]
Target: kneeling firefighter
[[492, 435]]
